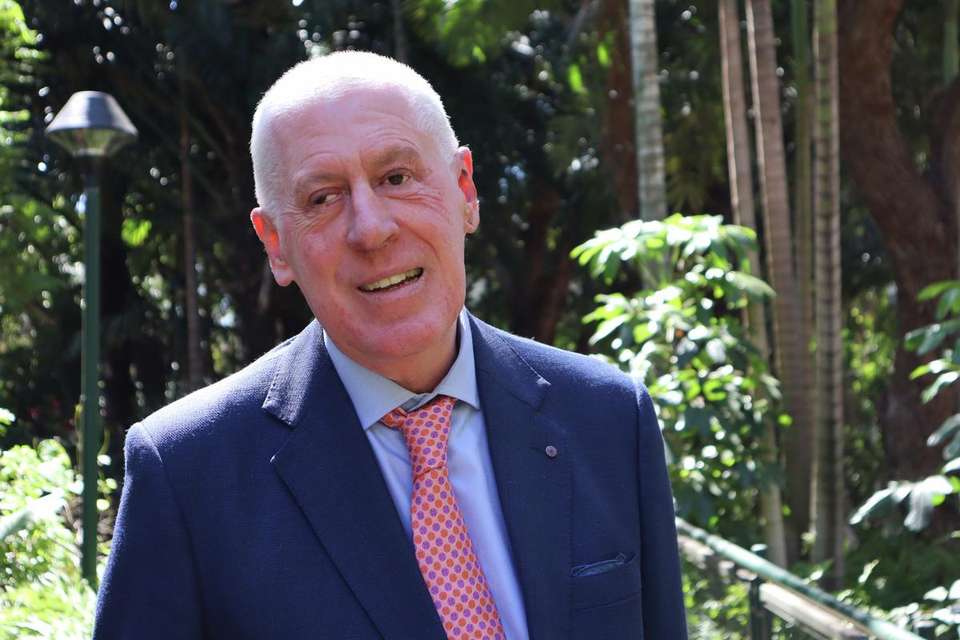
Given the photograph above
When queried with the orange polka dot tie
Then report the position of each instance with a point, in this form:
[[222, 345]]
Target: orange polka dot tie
[[443, 547]]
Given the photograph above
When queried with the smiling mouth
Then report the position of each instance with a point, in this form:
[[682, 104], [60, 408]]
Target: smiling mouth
[[392, 282]]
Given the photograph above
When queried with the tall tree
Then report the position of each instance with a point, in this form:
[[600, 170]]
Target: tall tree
[[649, 126], [399, 31], [195, 355], [802, 163], [790, 355], [740, 170], [951, 56], [828, 503], [915, 210]]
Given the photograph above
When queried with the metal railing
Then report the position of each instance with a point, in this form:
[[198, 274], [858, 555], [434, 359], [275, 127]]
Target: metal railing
[[775, 593]]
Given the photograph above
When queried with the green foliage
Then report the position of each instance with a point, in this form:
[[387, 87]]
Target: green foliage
[[679, 330], [921, 497], [715, 611], [901, 564], [869, 346], [470, 30], [43, 594]]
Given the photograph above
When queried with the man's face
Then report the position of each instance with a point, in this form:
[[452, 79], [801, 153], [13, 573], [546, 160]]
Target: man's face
[[372, 227]]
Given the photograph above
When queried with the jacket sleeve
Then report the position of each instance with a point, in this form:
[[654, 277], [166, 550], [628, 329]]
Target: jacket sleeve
[[663, 608], [150, 588]]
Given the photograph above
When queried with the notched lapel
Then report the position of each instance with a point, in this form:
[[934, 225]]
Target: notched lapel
[[533, 482], [329, 467]]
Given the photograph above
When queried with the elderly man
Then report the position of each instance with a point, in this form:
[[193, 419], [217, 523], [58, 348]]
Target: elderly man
[[400, 469]]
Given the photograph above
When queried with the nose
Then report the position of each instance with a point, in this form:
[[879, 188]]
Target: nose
[[372, 225]]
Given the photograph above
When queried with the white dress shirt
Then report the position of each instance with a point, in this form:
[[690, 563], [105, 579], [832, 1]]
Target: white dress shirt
[[471, 472]]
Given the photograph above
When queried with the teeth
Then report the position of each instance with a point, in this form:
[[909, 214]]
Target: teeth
[[389, 281]]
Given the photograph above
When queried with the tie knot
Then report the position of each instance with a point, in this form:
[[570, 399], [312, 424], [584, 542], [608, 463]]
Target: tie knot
[[426, 431]]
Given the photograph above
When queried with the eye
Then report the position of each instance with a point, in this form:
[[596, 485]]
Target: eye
[[397, 179], [324, 198]]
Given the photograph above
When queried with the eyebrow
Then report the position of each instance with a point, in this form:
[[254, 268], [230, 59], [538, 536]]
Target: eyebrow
[[402, 153], [394, 154]]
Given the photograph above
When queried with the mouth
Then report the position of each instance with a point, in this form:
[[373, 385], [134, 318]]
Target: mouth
[[392, 282]]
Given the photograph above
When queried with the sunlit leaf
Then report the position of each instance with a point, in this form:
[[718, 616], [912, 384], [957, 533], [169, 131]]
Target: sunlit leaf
[[135, 232], [878, 505], [607, 327], [575, 80], [931, 291], [936, 595], [603, 56], [949, 426], [943, 380], [751, 285], [920, 511]]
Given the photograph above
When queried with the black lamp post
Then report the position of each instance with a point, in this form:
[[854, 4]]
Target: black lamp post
[[92, 127]]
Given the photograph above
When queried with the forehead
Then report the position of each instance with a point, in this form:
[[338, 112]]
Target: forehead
[[350, 119]]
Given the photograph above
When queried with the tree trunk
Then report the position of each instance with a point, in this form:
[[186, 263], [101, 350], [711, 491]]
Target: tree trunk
[[618, 137], [951, 57], [191, 304], [741, 200], [803, 181], [915, 214], [649, 129], [790, 354], [399, 33], [541, 289], [828, 510]]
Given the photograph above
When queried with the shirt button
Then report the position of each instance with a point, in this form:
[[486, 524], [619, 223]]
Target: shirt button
[[551, 451]]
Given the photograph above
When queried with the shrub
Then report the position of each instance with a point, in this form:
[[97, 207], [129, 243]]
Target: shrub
[[42, 594], [678, 327]]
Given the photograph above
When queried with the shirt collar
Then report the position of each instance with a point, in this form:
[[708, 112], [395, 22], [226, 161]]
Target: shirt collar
[[373, 395]]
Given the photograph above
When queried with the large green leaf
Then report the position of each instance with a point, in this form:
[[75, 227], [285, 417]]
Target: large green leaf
[[751, 285], [949, 426], [943, 380], [37, 510], [876, 506], [926, 339], [931, 291]]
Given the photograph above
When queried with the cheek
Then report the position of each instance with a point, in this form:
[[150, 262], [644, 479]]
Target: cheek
[[423, 196], [311, 256]]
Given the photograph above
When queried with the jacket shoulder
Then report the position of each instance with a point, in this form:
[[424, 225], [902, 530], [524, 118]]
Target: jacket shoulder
[[561, 367], [207, 410]]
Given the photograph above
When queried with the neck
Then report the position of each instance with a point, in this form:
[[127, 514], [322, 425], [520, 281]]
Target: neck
[[420, 372]]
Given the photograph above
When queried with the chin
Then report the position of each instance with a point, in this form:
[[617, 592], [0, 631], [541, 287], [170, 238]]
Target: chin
[[409, 338]]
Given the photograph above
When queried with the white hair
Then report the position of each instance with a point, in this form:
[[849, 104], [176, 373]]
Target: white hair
[[329, 77]]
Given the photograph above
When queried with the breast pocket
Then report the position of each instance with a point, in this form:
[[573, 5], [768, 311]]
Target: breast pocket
[[606, 581]]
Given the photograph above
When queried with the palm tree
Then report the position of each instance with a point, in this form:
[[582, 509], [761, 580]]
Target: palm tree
[[802, 175], [790, 355], [741, 200], [828, 445], [649, 128]]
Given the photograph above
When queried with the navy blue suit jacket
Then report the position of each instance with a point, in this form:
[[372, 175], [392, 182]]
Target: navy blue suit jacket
[[255, 508]]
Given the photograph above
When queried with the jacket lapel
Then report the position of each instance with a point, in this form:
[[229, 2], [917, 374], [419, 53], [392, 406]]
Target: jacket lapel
[[329, 467], [534, 487]]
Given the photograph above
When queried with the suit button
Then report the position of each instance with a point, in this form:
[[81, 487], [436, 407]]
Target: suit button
[[551, 451]]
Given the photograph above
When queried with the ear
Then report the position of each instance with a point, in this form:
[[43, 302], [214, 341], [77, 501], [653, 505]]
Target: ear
[[270, 237], [468, 188]]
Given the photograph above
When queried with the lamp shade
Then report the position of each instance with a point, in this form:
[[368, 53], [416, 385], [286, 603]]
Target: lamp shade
[[92, 125]]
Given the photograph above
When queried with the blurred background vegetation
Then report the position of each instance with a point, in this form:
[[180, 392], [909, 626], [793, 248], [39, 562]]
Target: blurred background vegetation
[[802, 361]]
